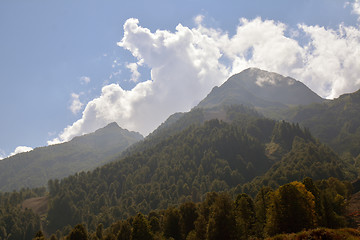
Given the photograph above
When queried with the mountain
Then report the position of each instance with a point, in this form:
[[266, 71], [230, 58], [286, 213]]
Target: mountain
[[208, 155], [262, 90], [335, 122], [217, 146], [256, 92], [35, 168]]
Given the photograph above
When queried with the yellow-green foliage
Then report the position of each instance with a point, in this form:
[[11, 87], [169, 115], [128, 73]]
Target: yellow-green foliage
[[321, 233]]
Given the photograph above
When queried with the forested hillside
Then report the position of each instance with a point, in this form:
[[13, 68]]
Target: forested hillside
[[15, 222], [213, 156], [335, 122], [35, 168], [290, 208]]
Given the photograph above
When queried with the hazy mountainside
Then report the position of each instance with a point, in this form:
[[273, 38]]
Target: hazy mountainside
[[35, 168], [335, 122], [252, 90], [210, 156], [260, 89], [180, 121]]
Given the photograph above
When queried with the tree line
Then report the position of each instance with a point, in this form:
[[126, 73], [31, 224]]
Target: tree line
[[290, 208]]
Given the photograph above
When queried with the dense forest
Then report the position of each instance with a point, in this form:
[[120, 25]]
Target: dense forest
[[238, 155], [16, 222], [335, 122], [290, 208]]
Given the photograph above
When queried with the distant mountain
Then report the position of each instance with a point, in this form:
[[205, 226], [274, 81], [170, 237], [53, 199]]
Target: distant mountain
[[260, 89], [335, 122], [35, 168]]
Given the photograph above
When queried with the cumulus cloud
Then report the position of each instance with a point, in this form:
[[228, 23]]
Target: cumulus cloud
[[184, 68], [186, 64], [133, 67], [85, 80], [356, 8], [76, 105], [331, 61], [20, 149]]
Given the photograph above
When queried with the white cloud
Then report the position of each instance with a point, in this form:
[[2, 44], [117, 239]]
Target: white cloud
[[85, 80], [187, 63], [76, 105], [356, 8], [331, 61], [199, 19], [261, 44], [20, 149], [184, 67], [135, 75], [2, 154]]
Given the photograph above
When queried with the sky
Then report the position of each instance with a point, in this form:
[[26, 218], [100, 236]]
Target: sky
[[69, 67]]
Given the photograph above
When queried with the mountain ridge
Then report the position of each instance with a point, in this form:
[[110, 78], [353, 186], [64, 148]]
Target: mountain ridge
[[82, 153]]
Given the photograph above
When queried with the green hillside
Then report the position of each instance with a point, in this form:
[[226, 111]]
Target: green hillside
[[335, 122], [290, 208], [35, 168], [213, 156]]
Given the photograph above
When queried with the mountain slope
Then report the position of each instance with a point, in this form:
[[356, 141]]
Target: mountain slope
[[35, 168], [260, 89], [185, 165], [248, 92], [335, 122]]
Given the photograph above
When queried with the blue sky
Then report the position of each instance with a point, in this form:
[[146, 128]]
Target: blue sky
[[66, 67]]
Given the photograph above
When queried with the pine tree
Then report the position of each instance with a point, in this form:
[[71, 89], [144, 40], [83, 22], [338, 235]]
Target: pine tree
[[222, 223], [78, 233], [141, 228], [245, 215], [172, 227]]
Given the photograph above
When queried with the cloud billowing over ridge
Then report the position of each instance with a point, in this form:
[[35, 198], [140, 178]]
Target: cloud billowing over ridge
[[186, 64]]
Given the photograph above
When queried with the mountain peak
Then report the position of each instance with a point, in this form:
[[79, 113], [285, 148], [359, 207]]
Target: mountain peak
[[258, 88], [264, 78], [112, 125]]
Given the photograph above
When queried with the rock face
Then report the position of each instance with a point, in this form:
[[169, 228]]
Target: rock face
[[260, 89]]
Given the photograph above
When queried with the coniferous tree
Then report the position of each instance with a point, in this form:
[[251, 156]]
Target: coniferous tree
[[172, 228], [262, 203], [78, 233], [245, 216], [222, 220], [125, 231], [39, 236], [99, 231], [141, 228], [188, 216]]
